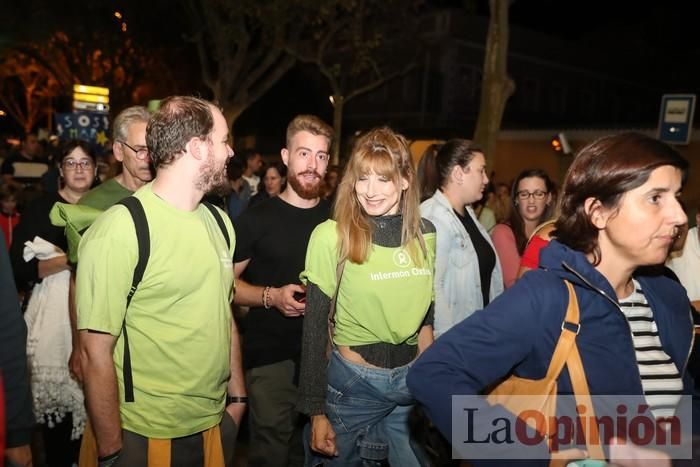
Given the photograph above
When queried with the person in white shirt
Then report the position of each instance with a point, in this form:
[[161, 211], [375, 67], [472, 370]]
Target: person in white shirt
[[253, 164], [686, 263]]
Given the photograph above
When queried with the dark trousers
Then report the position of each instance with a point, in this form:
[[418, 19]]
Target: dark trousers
[[59, 449], [275, 425]]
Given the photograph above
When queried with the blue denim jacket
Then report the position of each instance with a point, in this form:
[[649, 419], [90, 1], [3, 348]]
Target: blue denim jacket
[[457, 279]]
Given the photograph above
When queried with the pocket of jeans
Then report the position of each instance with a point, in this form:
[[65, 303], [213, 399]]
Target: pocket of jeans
[[354, 392], [341, 381], [333, 396]]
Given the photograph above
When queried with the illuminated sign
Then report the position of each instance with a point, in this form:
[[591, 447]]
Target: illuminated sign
[[90, 98], [676, 118]]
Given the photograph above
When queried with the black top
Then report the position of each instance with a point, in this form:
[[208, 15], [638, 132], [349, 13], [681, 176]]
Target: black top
[[35, 222], [273, 235], [484, 254], [258, 198], [13, 359]]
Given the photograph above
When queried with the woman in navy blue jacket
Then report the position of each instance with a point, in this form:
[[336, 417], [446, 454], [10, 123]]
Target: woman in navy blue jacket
[[619, 215]]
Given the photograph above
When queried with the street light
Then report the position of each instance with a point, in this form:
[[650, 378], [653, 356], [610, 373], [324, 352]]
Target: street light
[[2, 113], [561, 144]]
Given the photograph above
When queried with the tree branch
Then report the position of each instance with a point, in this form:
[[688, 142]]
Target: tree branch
[[378, 82], [13, 108], [263, 86], [323, 44], [272, 56]]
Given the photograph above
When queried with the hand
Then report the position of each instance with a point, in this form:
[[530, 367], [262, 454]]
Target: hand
[[425, 338], [47, 267], [20, 456], [74, 367], [283, 299], [626, 454], [236, 411], [323, 436]]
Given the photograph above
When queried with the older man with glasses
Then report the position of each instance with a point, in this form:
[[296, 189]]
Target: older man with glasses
[[129, 147]]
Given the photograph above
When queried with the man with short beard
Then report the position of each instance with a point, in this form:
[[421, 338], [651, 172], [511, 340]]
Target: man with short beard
[[182, 395], [271, 248]]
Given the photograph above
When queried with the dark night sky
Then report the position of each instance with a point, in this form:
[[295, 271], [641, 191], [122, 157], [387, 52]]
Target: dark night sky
[[665, 24], [665, 29]]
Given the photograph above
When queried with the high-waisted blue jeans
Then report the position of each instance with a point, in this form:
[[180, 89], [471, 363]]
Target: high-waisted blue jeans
[[368, 409]]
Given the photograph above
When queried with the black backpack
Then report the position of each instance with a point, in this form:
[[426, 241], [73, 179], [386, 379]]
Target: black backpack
[[144, 247]]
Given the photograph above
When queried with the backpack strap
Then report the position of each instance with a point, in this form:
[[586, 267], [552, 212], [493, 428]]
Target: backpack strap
[[219, 220], [144, 248]]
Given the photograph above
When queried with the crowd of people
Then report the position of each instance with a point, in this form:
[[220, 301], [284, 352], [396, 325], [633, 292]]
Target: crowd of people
[[339, 309]]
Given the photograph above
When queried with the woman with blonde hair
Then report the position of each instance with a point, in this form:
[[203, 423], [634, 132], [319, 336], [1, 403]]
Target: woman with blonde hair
[[373, 264]]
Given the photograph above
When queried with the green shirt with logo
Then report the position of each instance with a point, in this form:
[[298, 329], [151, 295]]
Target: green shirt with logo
[[179, 319], [385, 299]]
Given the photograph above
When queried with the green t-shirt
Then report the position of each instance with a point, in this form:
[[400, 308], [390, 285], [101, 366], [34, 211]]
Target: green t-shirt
[[179, 320], [385, 299], [105, 196]]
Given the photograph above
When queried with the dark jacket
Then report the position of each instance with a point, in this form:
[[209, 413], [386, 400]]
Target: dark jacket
[[35, 222], [13, 359], [517, 333]]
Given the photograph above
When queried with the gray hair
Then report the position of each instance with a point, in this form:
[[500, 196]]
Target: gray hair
[[126, 118]]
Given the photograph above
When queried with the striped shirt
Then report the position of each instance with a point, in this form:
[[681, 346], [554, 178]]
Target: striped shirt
[[661, 381]]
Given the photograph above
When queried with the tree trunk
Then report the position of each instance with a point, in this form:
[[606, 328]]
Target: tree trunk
[[231, 114], [496, 86], [28, 123], [338, 103], [49, 114]]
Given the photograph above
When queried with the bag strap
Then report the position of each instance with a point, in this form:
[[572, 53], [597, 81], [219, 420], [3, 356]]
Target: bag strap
[[574, 365], [581, 391], [334, 299], [144, 249], [567, 339], [583, 397], [219, 220]]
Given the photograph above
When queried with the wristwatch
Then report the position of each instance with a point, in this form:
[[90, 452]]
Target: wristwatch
[[236, 399]]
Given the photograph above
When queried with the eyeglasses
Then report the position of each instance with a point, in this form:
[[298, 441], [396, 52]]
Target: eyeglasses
[[141, 152], [72, 164], [538, 194]]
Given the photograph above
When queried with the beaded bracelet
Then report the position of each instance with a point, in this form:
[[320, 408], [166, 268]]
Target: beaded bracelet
[[266, 297]]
